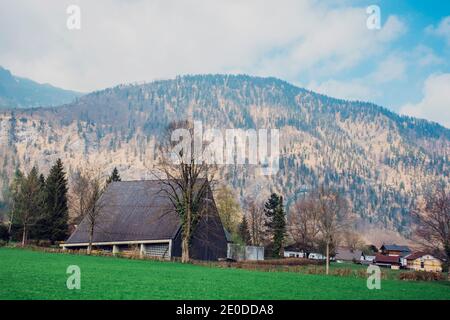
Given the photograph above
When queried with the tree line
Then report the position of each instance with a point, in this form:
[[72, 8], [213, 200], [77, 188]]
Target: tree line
[[316, 223], [39, 205]]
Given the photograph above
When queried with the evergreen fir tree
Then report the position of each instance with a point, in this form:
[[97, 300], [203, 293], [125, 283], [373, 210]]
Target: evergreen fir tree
[[276, 222], [114, 176], [54, 225]]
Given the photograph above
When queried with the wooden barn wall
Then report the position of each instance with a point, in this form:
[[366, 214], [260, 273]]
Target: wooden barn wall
[[208, 241]]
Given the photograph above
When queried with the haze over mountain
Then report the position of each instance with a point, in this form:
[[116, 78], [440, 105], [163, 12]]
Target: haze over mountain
[[378, 159], [17, 92]]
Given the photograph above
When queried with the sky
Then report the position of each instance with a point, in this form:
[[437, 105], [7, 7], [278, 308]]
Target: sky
[[324, 46]]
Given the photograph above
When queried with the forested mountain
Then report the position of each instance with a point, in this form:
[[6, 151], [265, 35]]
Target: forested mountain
[[379, 159], [17, 92]]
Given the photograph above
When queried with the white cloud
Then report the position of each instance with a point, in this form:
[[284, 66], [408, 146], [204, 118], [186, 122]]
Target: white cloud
[[349, 90], [366, 88], [390, 69], [142, 40], [442, 30], [435, 104], [424, 56]]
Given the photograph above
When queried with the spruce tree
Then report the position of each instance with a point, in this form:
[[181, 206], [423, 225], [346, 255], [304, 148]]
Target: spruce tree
[[57, 212], [114, 176], [276, 222]]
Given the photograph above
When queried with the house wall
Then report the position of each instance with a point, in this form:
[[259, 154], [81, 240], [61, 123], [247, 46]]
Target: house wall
[[429, 264], [294, 254]]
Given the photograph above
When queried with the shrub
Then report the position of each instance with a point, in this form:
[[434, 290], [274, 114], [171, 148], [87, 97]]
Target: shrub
[[285, 262], [421, 276]]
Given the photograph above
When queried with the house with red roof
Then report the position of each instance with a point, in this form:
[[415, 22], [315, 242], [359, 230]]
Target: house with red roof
[[393, 262]]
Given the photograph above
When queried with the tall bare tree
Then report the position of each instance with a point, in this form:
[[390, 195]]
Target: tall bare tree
[[433, 221], [256, 221], [352, 240], [29, 202], [333, 217], [185, 177], [86, 200], [303, 223]]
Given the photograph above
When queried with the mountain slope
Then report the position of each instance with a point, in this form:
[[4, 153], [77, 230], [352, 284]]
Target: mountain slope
[[377, 158], [16, 92]]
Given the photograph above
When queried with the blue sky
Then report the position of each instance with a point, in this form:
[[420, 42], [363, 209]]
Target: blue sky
[[418, 41], [321, 45]]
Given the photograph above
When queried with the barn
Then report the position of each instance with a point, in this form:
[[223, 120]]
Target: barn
[[137, 215]]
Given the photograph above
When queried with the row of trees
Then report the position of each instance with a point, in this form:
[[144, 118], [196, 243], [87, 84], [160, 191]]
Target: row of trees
[[317, 222], [39, 205]]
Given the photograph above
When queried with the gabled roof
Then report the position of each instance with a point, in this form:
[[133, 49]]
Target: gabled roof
[[394, 247], [346, 254], [416, 255], [387, 259], [293, 248], [132, 211]]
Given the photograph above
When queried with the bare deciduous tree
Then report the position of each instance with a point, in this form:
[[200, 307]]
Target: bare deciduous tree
[[353, 240], [185, 177], [86, 199], [333, 218], [433, 221], [256, 221], [29, 202], [303, 223]]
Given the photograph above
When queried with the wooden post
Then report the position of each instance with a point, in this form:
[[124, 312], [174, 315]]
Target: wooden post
[[115, 249], [141, 250]]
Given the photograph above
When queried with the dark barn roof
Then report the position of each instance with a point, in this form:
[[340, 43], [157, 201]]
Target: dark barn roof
[[132, 211], [394, 247]]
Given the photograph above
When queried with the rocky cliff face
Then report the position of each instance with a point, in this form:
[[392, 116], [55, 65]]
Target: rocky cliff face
[[379, 159]]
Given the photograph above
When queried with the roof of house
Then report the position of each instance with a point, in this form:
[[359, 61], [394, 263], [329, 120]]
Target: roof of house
[[131, 211], [347, 254], [394, 247], [293, 248], [387, 259], [416, 255]]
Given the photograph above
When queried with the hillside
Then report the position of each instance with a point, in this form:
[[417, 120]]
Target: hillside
[[17, 92], [377, 158]]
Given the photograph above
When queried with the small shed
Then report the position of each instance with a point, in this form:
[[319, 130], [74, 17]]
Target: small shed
[[239, 252]]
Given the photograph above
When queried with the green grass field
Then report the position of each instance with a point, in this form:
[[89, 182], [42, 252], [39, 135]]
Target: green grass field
[[26, 274]]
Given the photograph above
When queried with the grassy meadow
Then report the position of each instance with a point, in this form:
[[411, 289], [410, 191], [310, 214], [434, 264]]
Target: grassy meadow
[[26, 274]]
